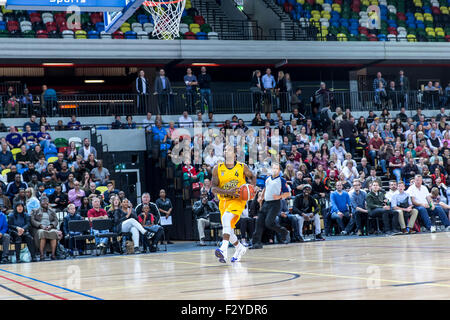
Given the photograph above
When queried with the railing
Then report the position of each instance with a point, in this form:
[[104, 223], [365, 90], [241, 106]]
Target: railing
[[219, 102], [294, 34], [370, 100], [134, 104]]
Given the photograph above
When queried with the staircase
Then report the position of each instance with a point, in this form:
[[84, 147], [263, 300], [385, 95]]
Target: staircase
[[227, 28], [290, 29]]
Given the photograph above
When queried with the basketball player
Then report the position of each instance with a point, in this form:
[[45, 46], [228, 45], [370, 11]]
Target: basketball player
[[274, 191], [227, 178]]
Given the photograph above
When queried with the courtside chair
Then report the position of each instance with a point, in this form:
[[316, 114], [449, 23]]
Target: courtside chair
[[84, 228], [105, 224]]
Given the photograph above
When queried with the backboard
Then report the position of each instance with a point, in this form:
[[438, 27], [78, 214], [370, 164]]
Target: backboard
[[116, 12], [113, 20], [64, 5]]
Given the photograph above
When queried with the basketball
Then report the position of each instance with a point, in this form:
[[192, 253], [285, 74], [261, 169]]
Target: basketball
[[246, 192]]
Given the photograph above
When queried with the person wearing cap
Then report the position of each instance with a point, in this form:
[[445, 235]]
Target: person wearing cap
[[307, 209], [19, 230], [45, 223]]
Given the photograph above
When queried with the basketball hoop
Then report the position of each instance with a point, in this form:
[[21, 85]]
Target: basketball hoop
[[166, 17]]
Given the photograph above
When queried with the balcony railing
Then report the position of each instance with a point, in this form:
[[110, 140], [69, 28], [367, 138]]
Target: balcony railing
[[106, 104]]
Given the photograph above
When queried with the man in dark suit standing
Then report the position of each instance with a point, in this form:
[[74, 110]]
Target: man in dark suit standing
[[142, 88], [403, 86], [163, 89]]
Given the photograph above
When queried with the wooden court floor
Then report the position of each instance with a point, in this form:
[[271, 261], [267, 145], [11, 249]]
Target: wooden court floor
[[399, 267]]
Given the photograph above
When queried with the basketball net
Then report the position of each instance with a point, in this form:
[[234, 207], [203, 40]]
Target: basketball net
[[166, 17]]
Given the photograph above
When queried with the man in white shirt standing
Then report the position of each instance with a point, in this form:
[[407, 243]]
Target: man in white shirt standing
[[421, 199], [185, 121]]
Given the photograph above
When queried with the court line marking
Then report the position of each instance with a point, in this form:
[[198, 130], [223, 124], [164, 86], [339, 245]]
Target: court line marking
[[31, 287], [14, 291], [302, 273], [345, 262], [52, 285]]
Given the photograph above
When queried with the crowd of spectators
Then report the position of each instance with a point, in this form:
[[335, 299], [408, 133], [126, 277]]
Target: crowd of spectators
[[44, 186], [337, 163]]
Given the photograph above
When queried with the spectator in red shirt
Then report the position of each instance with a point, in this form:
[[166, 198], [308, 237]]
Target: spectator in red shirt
[[374, 146], [94, 214], [190, 174], [422, 150], [437, 174], [396, 164]]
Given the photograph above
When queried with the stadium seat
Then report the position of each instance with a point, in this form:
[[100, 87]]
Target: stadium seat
[[118, 35], [213, 36], [52, 159], [142, 35], [41, 34], [93, 34], [49, 191], [102, 189], [104, 35], [68, 34], [77, 141], [14, 152], [80, 34], [130, 35]]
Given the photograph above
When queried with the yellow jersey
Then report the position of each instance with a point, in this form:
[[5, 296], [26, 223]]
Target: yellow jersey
[[229, 179]]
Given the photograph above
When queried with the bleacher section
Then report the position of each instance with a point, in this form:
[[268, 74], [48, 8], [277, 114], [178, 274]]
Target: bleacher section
[[35, 24], [348, 20]]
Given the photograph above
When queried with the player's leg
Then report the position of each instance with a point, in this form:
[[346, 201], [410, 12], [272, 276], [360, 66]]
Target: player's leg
[[240, 248], [221, 252]]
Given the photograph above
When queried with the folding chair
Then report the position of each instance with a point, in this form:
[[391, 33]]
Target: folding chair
[[83, 227], [215, 226], [105, 224]]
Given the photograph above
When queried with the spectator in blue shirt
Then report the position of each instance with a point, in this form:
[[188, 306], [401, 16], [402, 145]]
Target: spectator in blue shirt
[[191, 82], [14, 139], [74, 124], [27, 99], [340, 206], [48, 99], [32, 123], [268, 81], [6, 158], [4, 236], [29, 138], [44, 138]]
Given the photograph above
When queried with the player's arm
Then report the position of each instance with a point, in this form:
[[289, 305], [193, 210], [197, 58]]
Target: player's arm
[[249, 175], [215, 185]]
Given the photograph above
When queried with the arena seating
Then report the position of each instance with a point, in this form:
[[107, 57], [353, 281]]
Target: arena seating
[[36, 24], [348, 20]]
